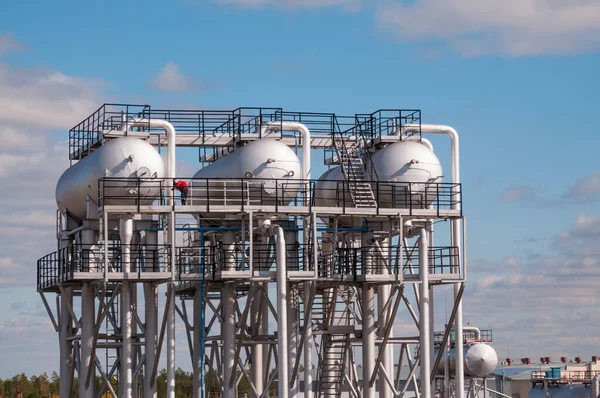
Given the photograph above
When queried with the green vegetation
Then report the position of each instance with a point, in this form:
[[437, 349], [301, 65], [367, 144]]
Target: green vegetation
[[42, 386]]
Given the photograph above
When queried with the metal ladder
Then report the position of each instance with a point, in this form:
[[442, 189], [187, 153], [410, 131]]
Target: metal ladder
[[333, 366], [353, 168], [334, 345]]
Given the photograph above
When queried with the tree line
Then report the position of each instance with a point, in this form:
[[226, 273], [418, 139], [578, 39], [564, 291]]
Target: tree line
[[44, 386]]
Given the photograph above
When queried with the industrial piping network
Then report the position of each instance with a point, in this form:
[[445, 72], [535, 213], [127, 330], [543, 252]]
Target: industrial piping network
[[338, 293]]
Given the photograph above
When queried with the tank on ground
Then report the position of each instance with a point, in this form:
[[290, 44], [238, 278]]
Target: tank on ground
[[264, 171], [480, 360], [125, 157]]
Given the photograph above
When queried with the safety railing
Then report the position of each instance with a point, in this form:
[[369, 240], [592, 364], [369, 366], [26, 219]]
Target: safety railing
[[85, 136], [210, 259], [557, 375], [242, 192], [378, 260], [469, 336], [62, 265]]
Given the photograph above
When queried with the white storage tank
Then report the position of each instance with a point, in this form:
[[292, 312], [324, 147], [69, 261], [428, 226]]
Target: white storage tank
[[125, 157], [270, 170], [402, 163], [407, 172], [480, 360]]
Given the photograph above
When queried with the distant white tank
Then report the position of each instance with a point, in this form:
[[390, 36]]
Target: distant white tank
[[275, 167], [480, 360], [396, 166], [125, 157]]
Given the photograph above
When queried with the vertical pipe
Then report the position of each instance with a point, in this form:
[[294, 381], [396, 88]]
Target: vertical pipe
[[228, 331], [259, 321], [368, 339], [66, 346], [126, 379], [257, 369], [87, 324], [307, 344], [282, 337], [293, 327], [171, 239], [197, 355], [228, 241], [151, 316], [383, 295], [171, 343], [425, 343], [292, 263]]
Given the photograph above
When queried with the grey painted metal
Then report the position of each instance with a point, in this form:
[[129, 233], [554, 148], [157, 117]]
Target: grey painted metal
[[124, 157], [126, 378], [151, 320], [266, 159], [228, 328], [66, 345], [480, 360]]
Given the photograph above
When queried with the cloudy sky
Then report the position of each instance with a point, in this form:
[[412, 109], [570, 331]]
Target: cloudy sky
[[517, 78]]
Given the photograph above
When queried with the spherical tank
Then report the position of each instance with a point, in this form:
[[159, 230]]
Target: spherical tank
[[479, 360], [400, 164], [125, 157], [270, 170]]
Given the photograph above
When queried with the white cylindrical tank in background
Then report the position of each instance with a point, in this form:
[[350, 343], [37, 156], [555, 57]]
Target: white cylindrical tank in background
[[275, 167], [480, 360], [125, 157], [402, 163]]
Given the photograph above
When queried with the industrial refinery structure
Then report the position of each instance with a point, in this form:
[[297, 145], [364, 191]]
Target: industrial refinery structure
[[293, 281]]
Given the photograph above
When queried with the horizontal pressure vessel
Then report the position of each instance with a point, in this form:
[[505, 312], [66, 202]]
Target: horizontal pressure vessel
[[125, 157], [480, 360], [408, 172], [270, 170]]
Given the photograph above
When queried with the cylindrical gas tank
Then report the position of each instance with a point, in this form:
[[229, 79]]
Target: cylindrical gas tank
[[400, 164], [270, 170], [331, 190], [480, 360], [125, 157]]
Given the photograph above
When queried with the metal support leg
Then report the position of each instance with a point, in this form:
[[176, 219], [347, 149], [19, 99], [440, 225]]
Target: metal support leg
[[151, 316], [425, 342], [368, 339], [257, 371], [197, 363], [307, 344], [228, 331], [126, 379], [458, 324], [87, 340], [66, 345]]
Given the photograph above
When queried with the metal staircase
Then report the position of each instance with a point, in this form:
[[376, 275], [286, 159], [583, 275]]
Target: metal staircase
[[330, 319], [334, 366], [353, 167]]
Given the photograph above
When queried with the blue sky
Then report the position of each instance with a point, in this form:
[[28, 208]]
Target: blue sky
[[517, 79]]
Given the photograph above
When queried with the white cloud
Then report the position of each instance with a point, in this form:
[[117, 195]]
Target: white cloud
[[171, 79], [507, 27], [44, 98], [8, 44], [587, 188], [515, 194], [532, 300], [295, 4]]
